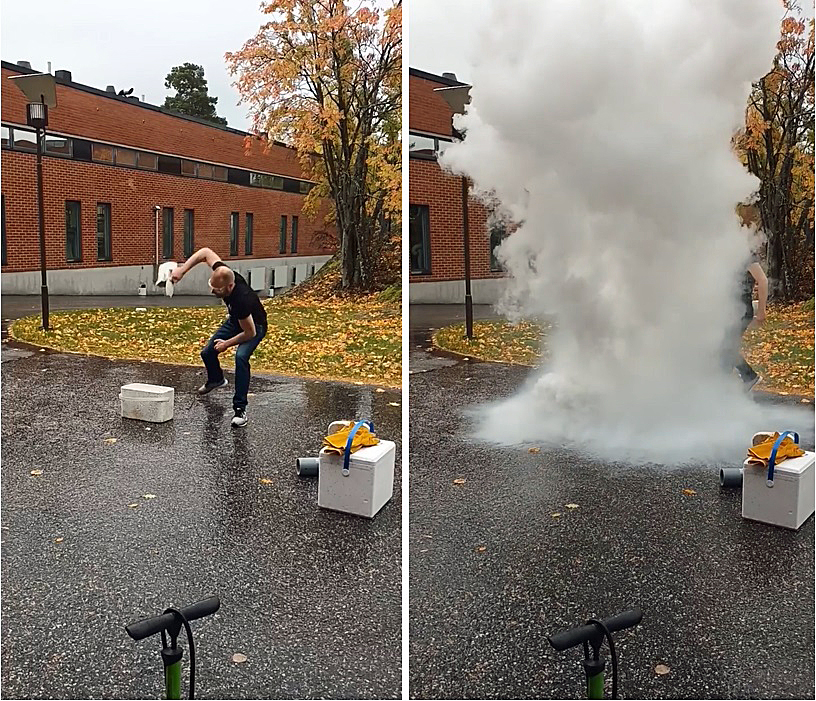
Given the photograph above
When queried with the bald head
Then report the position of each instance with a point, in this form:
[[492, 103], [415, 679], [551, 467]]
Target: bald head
[[222, 281]]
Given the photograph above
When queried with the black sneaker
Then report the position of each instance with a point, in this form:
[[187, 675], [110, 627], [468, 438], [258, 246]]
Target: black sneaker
[[240, 418], [210, 386]]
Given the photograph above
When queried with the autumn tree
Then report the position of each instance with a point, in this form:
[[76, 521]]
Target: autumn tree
[[192, 96], [326, 79], [777, 147]]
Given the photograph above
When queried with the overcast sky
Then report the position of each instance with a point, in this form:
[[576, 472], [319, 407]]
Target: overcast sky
[[133, 44], [441, 34]]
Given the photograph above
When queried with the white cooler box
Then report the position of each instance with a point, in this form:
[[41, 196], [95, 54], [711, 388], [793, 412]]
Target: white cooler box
[[789, 503], [367, 487], [152, 403]]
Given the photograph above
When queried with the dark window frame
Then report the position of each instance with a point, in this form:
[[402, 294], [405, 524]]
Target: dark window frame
[[234, 224], [168, 216], [249, 223], [284, 224], [3, 252], [422, 213], [189, 232], [107, 233], [69, 250], [294, 242]]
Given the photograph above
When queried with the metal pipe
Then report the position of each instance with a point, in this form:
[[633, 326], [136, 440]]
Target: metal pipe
[[41, 215], [466, 238]]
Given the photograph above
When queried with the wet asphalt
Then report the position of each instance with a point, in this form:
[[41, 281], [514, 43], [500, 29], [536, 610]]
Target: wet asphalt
[[728, 604], [311, 597]]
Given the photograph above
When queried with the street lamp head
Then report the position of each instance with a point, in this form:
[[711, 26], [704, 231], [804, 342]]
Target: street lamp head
[[36, 115], [457, 97], [37, 87]]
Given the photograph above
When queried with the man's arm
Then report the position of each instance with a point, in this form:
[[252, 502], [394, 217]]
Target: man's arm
[[200, 256], [248, 333], [762, 286]]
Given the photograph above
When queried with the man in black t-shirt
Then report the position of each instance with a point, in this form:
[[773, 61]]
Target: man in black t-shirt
[[733, 357], [244, 327]]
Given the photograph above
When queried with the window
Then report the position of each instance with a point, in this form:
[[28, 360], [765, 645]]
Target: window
[[294, 234], [205, 170], [167, 232], [421, 145], [419, 239], [3, 211], [273, 182], [102, 153], [283, 235], [57, 145], [103, 231], [73, 232], [148, 161], [248, 234], [170, 165], [441, 145], [189, 233], [497, 234], [234, 234], [188, 168], [24, 140], [6, 137], [126, 157], [304, 187], [219, 173]]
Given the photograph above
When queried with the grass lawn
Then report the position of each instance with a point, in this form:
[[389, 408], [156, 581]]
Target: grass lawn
[[347, 340], [781, 350]]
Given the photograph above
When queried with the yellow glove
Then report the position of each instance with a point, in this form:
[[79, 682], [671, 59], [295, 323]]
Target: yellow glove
[[760, 454], [336, 442]]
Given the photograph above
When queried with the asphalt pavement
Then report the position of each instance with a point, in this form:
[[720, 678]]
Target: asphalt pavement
[[311, 597], [728, 604]]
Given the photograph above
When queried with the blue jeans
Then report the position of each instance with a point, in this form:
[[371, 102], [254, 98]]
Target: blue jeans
[[227, 330]]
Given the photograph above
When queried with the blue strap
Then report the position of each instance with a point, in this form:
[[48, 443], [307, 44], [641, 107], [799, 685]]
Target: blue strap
[[772, 460], [347, 454]]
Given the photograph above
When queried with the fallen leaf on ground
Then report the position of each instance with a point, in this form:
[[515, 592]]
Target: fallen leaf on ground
[[534, 450], [148, 429], [266, 480], [571, 506], [481, 548], [557, 514], [459, 480], [238, 658], [36, 473], [148, 496], [379, 389], [110, 441], [424, 551], [662, 669], [393, 403], [134, 505], [58, 540], [689, 492]]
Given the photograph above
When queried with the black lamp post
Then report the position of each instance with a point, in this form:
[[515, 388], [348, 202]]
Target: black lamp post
[[457, 97], [40, 89]]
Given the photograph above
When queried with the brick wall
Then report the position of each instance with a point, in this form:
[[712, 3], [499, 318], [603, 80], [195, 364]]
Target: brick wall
[[91, 116], [428, 185], [428, 110], [132, 195]]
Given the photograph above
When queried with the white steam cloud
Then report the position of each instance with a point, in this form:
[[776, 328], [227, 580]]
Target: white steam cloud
[[605, 127]]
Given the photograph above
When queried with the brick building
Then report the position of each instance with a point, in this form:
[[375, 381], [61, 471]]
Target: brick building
[[435, 241], [128, 186]]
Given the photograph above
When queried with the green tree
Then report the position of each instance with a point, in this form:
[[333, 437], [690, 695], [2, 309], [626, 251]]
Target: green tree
[[191, 96]]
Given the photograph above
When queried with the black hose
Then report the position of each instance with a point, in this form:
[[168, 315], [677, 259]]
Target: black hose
[[190, 643], [612, 654]]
